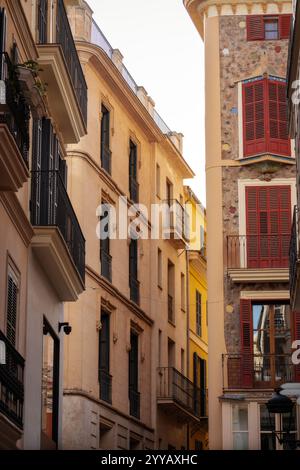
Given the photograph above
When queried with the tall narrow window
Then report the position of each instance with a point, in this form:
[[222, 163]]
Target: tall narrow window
[[182, 359], [159, 347], [159, 267], [105, 257], [134, 395], [268, 226], [104, 358], [12, 307], [265, 117], [42, 21], [198, 313], [182, 288], [203, 404], [50, 388], [171, 290], [157, 180], [133, 271], [105, 140], [2, 42], [133, 183], [169, 192], [240, 427]]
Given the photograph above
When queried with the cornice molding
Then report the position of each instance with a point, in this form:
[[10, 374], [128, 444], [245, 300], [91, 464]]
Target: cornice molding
[[112, 290], [21, 24], [17, 215]]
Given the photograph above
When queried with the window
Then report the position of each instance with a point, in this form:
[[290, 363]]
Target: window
[[105, 140], [268, 425], [42, 21], [171, 287], [169, 192], [105, 257], [133, 184], [265, 118], [268, 226], [198, 314], [266, 337], [240, 427], [159, 268], [50, 387], [157, 180], [199, 379], [202, 237], [104, 358], [159, 347], [133, 271], [12, 306], [2, 41], [182, 360], [182, 284], [267, 27], [134, 396]]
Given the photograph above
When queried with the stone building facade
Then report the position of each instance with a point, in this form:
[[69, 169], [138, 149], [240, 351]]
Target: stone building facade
[[250, 200]]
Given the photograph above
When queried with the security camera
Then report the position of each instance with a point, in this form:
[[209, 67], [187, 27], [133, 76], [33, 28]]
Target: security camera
[[66, 326]]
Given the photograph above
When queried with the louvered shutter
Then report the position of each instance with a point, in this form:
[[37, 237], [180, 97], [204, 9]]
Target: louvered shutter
[[36, 174], [11, 313], [104, 346], [285, 26], [285, 223], [255, 28], [133, 260], [2, 41], [279, 142], [254, 117], [297, 337], [252, 229], [246, 343]]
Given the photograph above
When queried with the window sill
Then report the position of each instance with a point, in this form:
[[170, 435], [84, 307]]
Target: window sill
[[266, 157]]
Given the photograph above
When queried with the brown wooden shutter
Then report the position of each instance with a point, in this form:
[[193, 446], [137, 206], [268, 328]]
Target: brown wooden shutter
[[297, 338], [285, 26], [254, 117], [255, 28], [246, 343], [11, 312]]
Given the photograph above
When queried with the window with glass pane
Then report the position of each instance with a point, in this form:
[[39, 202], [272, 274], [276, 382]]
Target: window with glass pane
[[267, 427], [289, 423], [271, 343], [271, 28], [240, 427]]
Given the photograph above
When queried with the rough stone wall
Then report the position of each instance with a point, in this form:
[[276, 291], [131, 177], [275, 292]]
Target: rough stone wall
[[240, 60]]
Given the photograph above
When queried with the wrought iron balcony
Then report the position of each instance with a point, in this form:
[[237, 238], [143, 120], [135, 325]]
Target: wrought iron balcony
[[170, 309], [257, 371], [105, 380], [134, 403], [12, 384], [134, 189], [106, 262], [178, 395], [176, 223], [14, 111], [51, 206], [134, 285], [257, 251], [64, 37], [106, 159]]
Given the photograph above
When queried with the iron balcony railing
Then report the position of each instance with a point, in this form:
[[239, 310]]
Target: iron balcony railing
[[105, 380], [177, 220], [174, 386], [51, 206], [257, 371], [134, 403], [134, 285], [14, 111], [134, 189], [12, 384], [294, 255], [106, 159], [258, 251], [64, 37], [106, 263], [170, 309]]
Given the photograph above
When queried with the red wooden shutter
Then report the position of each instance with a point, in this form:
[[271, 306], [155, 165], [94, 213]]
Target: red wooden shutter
[[246, 343], [297, 337], [285, 26], [255, 28], [254, 117], [252, 231], [279, 142], [285, 223]]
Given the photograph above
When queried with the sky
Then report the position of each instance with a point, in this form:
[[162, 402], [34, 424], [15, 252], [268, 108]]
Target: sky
[[164, 53]]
